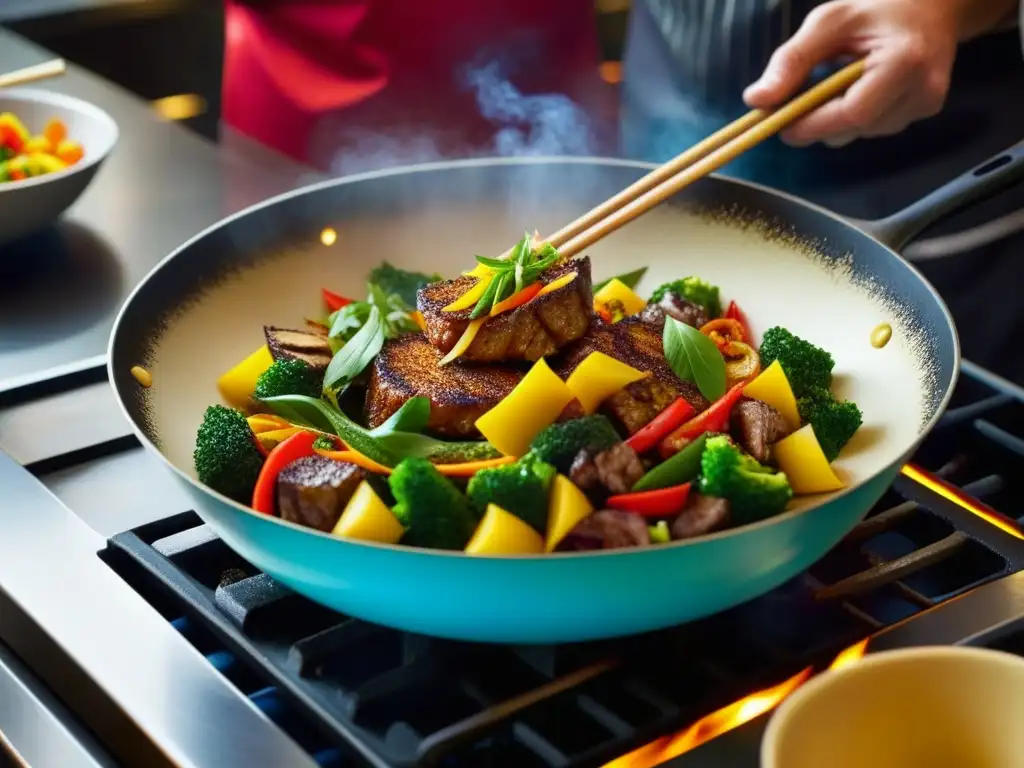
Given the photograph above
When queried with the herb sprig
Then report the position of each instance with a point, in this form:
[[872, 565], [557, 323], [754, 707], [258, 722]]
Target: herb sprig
[[523, 267]]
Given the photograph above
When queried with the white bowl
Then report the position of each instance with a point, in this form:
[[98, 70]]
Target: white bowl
[[31, 204]]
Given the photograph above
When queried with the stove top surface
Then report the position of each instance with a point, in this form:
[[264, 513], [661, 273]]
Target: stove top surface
[[933, 563]]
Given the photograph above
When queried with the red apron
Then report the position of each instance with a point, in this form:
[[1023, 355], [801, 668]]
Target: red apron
[[325, 81]]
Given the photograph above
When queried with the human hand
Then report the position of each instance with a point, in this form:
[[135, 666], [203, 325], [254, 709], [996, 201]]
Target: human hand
[[909, 47]]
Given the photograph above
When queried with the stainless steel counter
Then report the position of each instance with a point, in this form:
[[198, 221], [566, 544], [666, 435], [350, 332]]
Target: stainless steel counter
[[60, 289]]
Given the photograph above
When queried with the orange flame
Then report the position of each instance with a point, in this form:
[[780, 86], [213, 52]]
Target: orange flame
[[727, 718], [850, 655], [958, 497]]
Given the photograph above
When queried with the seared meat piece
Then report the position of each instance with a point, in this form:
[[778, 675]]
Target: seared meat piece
[[313, 491], [538, 328], [682, 310], [637, 344], [574, 410], [583, 472], [608, 529], [756, 425], [619, 468], [701, 515], [459, 393], [310, 348]]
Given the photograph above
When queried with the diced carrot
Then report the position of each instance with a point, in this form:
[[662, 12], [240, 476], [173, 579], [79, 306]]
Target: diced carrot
[[55, 132], [70, 151]]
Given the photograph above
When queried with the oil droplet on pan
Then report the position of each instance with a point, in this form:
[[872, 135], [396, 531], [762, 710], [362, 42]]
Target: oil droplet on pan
[[144, 377], [880, 335]]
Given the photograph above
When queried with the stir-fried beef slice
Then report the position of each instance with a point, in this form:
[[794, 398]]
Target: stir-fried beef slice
[[289, 344], [701, 515], [314, 490], [619, 468], [682, 310], [755, 426], [639, 345], [538, 328], [584, 474], [459, 393], [608, 529]]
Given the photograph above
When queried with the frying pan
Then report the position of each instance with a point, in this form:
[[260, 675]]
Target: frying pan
[[785, 261]]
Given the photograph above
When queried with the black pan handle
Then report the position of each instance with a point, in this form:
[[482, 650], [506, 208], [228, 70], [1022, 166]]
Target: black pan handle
[[991, 177]]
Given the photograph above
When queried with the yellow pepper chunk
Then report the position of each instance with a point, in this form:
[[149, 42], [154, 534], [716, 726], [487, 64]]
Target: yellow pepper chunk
[[616, 290], [801, 458], [480, 270], [265, 422], [502, 533], [367, 518], [464, 342], [534, 404], [772, 387], [470, 297], [238, 384], [599, 377], [554, 285], [37, 144], [567, 505], [269, 440]]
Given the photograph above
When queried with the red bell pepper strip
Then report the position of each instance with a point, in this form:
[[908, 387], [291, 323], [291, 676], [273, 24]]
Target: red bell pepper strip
[[735, 313], [9, 137], [672, 417], [335, 302], [297, 446], [517, 299], [714, 419], [663, 502]]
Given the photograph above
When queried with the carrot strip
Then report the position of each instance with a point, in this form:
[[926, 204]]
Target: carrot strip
[[470, 468], [516, 299], [354, 457]]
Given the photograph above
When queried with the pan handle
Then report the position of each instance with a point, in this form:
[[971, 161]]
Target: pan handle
[[981, 182]]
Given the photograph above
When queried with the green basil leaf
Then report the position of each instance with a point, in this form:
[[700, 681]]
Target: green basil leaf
[[314, 412], [411, 417], [360, 350], [694, 357], [346, 321], [401, 282], [493, 263], [629, 278]]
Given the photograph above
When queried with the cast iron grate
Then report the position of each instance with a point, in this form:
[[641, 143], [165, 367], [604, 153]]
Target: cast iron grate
[[354, 693]]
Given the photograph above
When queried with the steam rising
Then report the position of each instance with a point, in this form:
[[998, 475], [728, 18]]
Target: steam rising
[[524, 125]]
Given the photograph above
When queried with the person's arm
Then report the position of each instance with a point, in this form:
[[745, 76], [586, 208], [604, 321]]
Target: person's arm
[[910, 46]]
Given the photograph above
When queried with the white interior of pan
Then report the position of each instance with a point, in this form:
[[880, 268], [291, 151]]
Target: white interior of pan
[[776, 282]]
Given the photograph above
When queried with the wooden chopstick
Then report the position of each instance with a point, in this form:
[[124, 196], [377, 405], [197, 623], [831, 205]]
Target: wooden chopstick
[[697, 162], [47, 69]]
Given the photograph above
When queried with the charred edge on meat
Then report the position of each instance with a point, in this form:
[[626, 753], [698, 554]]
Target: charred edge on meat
[[314, 490], [682, 310], [289, 344], [538, 328], [459, 393], [637, 344]]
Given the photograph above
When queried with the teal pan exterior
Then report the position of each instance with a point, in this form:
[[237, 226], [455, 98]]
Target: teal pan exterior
[[561, 597], [549, 599]]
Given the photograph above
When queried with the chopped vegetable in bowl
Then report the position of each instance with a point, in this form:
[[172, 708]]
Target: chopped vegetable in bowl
[[514, 410], [24, 155]]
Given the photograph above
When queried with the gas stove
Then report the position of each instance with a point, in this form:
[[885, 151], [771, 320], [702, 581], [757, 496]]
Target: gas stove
[[150, 642]]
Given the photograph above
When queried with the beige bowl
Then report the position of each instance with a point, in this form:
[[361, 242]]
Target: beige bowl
[[932, 707], [31, 204]]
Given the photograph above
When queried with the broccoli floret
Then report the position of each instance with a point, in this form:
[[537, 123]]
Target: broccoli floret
[[520, 488], [833, 421], [289, 377], [559, 443], [435, 514], [324, 443], [754, 492], [693, 289], [225, 456], [807, 367]]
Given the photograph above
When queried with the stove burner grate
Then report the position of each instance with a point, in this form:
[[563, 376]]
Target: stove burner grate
[[354, 693]]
